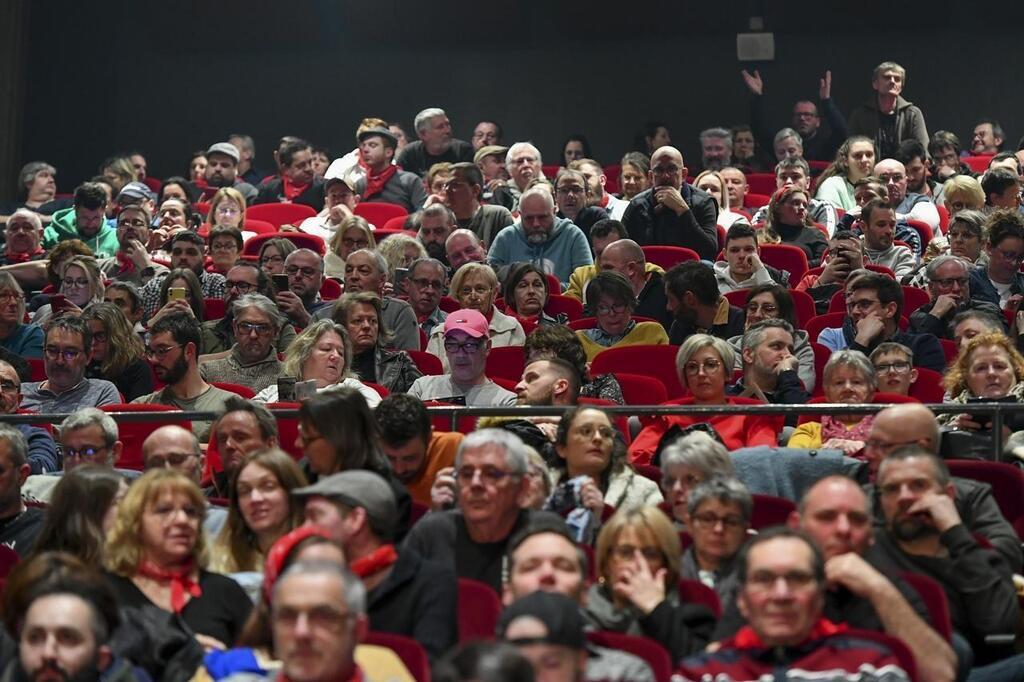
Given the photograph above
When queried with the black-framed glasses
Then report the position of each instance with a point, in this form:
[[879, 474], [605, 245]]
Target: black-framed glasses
[[69, 354], [160, 353], [424, 283], [247, 328], [89, 452], [898, 367], [468, 347], [710, 520], [293, 270], [243, 287]]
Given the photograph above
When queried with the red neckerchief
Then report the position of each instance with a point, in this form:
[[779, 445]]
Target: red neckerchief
[[523, 319], [291, 190], [23, 257], [746, 638], [375, 183], [375, 561], [180, 578], [605, 198], [357, 676], [126, 263]]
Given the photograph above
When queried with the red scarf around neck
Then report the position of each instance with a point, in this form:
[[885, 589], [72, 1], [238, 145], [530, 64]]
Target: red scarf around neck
[[180, 578], [23, 257], [374, 562], [126, 264], [291, 190], [375, 183]]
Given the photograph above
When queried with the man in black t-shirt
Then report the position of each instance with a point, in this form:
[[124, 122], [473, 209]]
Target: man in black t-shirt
[[19, 525], [435, 145]]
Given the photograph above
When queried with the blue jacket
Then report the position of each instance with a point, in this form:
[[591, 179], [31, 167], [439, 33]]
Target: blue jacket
[[982, 289], [564, 251]]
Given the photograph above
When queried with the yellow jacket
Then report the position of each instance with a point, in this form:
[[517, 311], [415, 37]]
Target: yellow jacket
[[582, 275], [644, 333]]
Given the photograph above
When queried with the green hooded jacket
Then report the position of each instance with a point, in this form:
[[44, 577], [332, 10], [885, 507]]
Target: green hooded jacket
[[65, 226]]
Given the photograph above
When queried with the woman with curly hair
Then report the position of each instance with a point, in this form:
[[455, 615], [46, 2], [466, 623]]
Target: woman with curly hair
[[991, 369], [788, 222]]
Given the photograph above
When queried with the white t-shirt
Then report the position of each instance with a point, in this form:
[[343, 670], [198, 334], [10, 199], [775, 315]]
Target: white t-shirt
[[1004, 292]]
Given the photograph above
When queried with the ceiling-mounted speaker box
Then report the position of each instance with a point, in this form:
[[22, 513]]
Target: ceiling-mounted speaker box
[[755, 47]]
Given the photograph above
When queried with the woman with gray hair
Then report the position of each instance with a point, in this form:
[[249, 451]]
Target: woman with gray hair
[[37, 184], [687, 463], [718, 516], [361, 314], [850, 378], [613, 301], [705, 365], [322, 352]]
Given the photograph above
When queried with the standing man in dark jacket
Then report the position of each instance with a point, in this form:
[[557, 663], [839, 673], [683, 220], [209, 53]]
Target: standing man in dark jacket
[[820, 143], [887, 118], [672, 212], [406, 594]]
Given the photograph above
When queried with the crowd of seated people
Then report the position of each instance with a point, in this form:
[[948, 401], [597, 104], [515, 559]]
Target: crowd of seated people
[[318, 520]]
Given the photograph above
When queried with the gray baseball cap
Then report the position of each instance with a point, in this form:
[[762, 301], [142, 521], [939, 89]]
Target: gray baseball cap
[[225, 148], [359, 488]]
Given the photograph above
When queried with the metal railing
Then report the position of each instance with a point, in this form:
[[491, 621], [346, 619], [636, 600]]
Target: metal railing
[[998, 411]]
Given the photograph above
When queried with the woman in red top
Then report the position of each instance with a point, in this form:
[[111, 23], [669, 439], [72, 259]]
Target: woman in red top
[[704, 364]]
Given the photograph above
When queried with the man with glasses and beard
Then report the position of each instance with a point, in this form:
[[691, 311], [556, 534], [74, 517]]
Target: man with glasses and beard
[[426, 286], [252, 360], [173, 350], [245, 277], [436, 222]]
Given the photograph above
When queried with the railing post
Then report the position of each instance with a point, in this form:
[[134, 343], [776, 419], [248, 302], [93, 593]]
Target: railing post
[[997, 434]]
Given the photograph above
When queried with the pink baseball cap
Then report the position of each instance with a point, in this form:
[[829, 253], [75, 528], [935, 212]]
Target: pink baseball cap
[[467, 320]]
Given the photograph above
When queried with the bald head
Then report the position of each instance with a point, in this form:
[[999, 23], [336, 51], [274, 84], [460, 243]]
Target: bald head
[[899, 426], [667, 168], [176, 448], [894, 175], [625, 257], [836, 513]]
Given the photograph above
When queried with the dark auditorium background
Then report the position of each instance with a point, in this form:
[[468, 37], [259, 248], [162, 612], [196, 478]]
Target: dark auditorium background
[[82, 80]]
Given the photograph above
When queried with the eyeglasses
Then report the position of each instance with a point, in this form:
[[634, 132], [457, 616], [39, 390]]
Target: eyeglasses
[[709, 367], [89, 452], [613, 309], [480, 290], [488, 475], [159, 353], [174, 459], [224, 246], [243, 287], [862, 305], [227, 210], [131, 223], [271, 259], [765, 308], [665, 170], [246, 328], [69, 354], [424, 283], [9, 387], [9, 296], [898, 367], [468, 347], [710, 520], [950, 281], [762, 581], [626, 552], [308, 439], [100, 337], [166, 512], [571, 190], [70, 283], [355, 243], [293, 270]]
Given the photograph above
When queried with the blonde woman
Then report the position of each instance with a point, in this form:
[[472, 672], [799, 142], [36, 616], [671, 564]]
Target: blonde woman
[[353, 233], [81, 284]]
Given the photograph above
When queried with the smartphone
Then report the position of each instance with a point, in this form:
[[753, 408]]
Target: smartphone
[[176, 293], [58, 302], [401, 276], [304, 390], [286, 389], [280, 282]]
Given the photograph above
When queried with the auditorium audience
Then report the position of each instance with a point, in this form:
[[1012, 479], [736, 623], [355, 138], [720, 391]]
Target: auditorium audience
[[848, 377]]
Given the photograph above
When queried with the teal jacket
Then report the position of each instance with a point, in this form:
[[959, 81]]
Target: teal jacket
[[564, 251], [65, 226]]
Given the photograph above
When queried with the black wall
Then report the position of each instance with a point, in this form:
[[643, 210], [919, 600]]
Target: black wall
[[172, 77]]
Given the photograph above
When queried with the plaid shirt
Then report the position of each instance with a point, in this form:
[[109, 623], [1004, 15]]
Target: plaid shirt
[[211, 283]]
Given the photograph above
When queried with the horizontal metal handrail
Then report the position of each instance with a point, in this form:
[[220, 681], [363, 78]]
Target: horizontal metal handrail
[[455, 412]]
